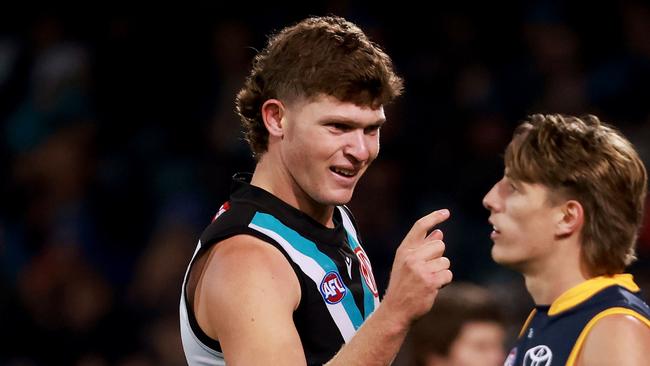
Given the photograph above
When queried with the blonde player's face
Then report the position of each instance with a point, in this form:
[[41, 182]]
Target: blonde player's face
[[479, 343], [523, 224], [327, 146]]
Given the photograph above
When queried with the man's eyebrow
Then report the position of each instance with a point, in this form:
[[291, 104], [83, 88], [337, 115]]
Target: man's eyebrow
[[351, 122]]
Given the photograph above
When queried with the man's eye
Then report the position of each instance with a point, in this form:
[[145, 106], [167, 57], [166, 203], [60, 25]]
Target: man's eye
[[339, 126], [372, 130]]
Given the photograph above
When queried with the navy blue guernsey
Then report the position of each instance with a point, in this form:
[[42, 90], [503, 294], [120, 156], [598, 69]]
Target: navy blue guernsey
[[554, 335], [338, 291]]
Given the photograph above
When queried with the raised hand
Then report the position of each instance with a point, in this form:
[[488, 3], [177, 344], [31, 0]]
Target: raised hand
[[419, 269]]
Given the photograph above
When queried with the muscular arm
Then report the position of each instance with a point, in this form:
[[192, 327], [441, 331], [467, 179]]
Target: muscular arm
[[248, 292], [245, 299], [616, 340]]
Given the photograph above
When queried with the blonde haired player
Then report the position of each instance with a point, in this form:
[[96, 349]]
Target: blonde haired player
[[566, 215]]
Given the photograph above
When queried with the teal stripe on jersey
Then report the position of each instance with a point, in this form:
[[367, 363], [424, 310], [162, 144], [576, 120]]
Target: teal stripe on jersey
[[308, 248], [368, 296]]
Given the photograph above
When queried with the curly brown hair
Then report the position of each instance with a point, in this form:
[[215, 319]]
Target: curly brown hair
[[591, 162], [319, 55]]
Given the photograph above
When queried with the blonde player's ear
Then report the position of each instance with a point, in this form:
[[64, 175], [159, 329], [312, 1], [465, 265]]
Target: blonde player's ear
[[272, 113], [571, 218]]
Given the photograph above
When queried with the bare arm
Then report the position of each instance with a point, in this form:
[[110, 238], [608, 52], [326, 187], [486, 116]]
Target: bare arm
[[419, 271], [616, 340], [245, 299], [252, 291]]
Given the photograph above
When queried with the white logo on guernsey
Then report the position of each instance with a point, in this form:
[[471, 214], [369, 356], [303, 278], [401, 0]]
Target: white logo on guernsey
[[348, 263], [538, 356], [366, 270]]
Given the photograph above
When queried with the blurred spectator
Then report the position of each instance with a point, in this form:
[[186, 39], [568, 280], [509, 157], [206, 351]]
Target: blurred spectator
[[465, 327]]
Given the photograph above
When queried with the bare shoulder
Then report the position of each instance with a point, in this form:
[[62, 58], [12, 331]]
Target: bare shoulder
[[617, 339], [246, 256], [243, 271]]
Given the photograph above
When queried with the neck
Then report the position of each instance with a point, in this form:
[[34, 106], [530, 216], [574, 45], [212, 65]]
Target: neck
[[270, 177], [556, 275]]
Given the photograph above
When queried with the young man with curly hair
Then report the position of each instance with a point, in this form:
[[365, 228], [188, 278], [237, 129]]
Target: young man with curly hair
[[280, 277]]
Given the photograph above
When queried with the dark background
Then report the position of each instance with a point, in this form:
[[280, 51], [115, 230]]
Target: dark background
[[118, 140]]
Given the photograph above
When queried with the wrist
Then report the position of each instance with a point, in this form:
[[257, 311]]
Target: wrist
[[394, 320]]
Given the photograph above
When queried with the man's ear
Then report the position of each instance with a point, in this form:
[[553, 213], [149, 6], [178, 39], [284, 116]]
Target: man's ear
[[273, 111], [570, 219]]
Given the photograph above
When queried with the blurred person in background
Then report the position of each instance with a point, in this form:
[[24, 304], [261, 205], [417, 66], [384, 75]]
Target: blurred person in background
[[280, 277], [464, 328], [566, 215]]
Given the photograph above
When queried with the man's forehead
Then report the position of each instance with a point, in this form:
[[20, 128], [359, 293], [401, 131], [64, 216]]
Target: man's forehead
[[328, 107]]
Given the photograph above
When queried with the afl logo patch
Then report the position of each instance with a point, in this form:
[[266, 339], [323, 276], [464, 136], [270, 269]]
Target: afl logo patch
[[332, 288], [366, 270], [538, 356]]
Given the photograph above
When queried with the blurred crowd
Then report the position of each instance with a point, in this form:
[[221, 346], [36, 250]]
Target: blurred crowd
[[118, 139]]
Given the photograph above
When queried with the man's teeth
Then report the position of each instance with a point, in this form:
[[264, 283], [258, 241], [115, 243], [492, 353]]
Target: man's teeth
[[345, 172], [495, 228]]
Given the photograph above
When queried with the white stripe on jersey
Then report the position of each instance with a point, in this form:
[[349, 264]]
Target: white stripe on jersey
[[349, 227], [312, 269], [196, 352]]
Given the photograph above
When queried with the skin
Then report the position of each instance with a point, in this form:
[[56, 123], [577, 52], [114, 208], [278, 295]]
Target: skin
[[536, 237], [631, 346], [248, 302], [307, 140], [538, 234]]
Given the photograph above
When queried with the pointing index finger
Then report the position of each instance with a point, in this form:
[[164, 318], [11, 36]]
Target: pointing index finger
[[424, 225]]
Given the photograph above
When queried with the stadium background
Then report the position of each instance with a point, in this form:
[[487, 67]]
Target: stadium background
[[118, 140]]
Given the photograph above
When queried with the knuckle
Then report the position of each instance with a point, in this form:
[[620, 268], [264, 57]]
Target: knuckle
[[442, 278], [446, 263], [449, 275], [440, 264], [441, 245]]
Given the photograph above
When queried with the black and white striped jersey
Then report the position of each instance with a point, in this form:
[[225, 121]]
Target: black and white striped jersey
[[335, 275]]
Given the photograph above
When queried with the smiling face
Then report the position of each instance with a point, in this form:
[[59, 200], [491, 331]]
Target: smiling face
[[326, 146], [524, 223]]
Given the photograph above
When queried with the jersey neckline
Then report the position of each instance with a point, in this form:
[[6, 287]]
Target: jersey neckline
[[264, 201], [585, 290]]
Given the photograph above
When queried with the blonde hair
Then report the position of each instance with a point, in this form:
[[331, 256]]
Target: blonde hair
[[591, 162]]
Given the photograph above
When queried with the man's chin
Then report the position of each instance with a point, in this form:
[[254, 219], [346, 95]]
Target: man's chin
[[499, 258], [510, 263], [339, 201], [340, 197]]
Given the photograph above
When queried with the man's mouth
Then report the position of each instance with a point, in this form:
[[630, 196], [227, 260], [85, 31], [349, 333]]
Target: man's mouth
[[348, 173]]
